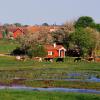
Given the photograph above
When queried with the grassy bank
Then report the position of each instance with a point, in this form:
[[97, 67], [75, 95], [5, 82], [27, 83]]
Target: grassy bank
[[36, 95]]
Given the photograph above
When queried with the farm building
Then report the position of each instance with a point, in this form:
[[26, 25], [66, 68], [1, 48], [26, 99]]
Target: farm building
[[17, 33], [55, 51]]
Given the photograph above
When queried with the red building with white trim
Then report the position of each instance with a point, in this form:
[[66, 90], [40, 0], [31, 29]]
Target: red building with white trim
[[55, 51]]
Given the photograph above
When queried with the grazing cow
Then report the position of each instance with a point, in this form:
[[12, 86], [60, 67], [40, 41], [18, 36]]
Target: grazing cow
[[90, 59], [60, 60], [77, 59], [20, 58], [39, 59], [48, 59]]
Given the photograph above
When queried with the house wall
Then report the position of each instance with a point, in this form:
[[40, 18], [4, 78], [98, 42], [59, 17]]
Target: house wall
[[17, 33], [55, 54]]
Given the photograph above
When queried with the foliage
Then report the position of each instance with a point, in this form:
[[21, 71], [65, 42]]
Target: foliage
[[45, 24], [18, 51], [18, 24], [58, 36], [82, 39], [4, 34], [84, 21], [97, 27], [95, 37], [33, 43], [38, 51], [62, 34]]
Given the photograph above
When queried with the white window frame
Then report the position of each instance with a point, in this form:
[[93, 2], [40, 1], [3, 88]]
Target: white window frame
[[50, 53]]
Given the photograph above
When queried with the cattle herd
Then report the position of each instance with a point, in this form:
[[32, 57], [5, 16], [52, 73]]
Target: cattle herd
[[40, 59]]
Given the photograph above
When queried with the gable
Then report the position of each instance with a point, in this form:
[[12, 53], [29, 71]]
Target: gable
[[17, 33]]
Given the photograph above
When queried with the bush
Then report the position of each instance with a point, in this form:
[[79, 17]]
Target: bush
[[38, 51], [18, 51]]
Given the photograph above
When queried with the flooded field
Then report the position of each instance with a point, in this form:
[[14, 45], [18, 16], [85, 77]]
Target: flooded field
[[51, 89], [51, 74]]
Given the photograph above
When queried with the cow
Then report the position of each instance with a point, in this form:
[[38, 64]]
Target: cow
[[39, 59], [48, 59], [20, 58], [60, 60], [77, 59], [90, 59]]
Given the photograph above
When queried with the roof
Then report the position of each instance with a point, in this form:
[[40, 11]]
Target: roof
[[51, 47], [33, 29], [17, 30]]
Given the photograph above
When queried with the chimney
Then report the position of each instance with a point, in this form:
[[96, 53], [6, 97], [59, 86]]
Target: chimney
[[54, 45]]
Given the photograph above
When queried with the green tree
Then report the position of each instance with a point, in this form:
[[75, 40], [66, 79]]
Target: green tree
[[97, 27], [82, 40], [4, 34], [45, 24], [63, 33], [84, 21], [37, 51], [18, 24], [33, 43], [95, 38]]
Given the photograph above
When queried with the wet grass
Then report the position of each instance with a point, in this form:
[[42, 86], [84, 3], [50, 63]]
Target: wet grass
[[51, 84], [30, 70], [38, 95]]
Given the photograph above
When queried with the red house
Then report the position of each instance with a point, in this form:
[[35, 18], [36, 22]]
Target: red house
[[55, 51], [1, 35], [17, 33]]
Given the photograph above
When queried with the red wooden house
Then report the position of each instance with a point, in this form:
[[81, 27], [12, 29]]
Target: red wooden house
[[17, 33], [55, 51]]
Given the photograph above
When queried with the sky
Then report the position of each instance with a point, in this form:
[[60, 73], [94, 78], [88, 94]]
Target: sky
[[31, 12]]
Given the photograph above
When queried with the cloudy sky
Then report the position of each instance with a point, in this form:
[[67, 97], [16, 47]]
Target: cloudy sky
[[50, 11]]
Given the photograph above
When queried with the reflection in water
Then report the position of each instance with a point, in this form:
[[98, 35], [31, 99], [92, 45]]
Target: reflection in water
[[94, 79], [82, 77], [51, 89]]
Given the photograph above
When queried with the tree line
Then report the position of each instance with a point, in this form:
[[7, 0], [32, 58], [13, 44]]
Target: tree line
[[81, 36]]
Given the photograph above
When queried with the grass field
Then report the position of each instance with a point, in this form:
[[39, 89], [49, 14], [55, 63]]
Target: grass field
[[34, 95], [9, 62], [10, 69], [6, 46]]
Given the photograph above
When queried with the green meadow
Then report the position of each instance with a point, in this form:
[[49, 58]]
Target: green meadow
[[34, 95], [6, 46]]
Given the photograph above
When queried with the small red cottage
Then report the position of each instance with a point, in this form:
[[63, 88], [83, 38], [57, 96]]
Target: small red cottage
[[17, 33], [55, 51]]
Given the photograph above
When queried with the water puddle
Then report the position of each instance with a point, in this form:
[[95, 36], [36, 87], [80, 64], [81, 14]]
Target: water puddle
[[51, 89]]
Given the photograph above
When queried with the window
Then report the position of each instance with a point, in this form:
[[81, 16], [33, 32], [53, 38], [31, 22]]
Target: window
[[50, 53]]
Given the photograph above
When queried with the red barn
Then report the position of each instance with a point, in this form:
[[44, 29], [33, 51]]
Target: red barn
[[17, 33], [55, 51]]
